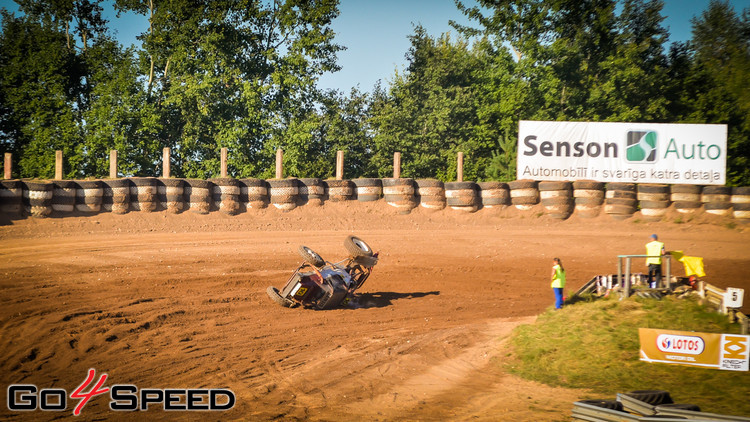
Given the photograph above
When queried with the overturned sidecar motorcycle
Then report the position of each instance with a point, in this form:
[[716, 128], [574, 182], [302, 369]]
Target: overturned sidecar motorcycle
[[319, 284]]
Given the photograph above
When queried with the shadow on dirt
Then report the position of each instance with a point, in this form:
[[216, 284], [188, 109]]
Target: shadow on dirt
[[383, 299]]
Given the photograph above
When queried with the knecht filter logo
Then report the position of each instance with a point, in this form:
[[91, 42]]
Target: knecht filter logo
[[641, 146]]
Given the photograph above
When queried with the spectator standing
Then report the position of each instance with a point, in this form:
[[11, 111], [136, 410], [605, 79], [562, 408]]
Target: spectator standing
[[654, 250]]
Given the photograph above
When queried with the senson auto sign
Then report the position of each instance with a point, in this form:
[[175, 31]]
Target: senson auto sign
[[622, 152]]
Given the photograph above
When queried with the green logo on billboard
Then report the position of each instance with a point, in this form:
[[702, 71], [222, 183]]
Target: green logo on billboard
[[641, 146]]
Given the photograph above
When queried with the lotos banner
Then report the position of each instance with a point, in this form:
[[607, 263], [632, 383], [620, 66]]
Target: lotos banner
[[709, 350], [622, 152]]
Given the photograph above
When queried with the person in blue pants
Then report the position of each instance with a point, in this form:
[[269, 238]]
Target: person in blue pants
[[558, 281]]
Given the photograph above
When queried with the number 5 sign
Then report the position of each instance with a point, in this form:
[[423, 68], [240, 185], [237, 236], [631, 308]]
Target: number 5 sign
[[733, 297]]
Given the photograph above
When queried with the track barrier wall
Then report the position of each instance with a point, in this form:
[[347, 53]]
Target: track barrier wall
[[559, 200]]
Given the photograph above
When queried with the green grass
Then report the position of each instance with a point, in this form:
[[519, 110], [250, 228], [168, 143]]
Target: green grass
[[595, 345]]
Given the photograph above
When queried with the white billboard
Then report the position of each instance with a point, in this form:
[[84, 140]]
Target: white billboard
[[623, 152]]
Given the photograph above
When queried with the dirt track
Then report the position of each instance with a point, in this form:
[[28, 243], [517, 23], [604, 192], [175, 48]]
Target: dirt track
[[178, 301]]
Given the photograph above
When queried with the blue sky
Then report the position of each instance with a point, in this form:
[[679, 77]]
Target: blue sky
[[375, 32]]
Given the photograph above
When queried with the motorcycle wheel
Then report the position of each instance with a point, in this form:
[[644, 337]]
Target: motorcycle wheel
[[273, 293], [311, 257], [357, 247]]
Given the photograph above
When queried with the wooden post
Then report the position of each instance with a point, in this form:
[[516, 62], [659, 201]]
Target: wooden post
[[279, 163], [166, 163], [339, 165], [460, 168], [8, 166], [113, 164], [223, 162], [396, 165], [58, 165]]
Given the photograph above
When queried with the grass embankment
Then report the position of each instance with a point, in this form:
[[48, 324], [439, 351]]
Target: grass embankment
[[595, 346]]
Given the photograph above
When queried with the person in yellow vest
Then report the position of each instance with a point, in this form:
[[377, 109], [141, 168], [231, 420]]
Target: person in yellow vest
[[558, 281], [654, 249]]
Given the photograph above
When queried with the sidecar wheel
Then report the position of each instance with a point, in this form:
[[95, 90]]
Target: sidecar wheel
[[273, 293], [311, 257], [357, 247]]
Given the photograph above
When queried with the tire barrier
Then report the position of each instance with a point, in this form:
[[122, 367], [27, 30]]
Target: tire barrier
[[143, 194], [226, 195], [494, 194], [741, 203], [717, 200], [284, 193], [231, 196], [400, 193], [254, 193], [557, 199], [171, 194], [620, 200], [311, 191], [368, 190], [430, 194], [523, 194], [37, 198], [116, 195], [653, 200], [11, 197], [462, 196], [89, 196], [339, 190], [589, 197], [686, 198], [198, 195], [64, 196]]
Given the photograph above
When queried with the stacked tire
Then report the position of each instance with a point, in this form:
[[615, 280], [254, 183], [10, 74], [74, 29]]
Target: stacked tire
[[116, 195], [172, 195], [589, 197], [557, 199], [400, 194], [199, 195], [226, 195], [89, 196], [462, 196], [284, 193], [37, 198], [741, 203], [620, 200], [717, 200], [339, 190], [143, 194], [431, 194], [368, 190], [64, 197], [653, 200], [11, 197], [686, 198], [254, 193], [311, 191], [494, 194], [524, 194]]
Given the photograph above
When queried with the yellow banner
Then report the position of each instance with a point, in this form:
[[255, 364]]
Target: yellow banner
[[709, 350]]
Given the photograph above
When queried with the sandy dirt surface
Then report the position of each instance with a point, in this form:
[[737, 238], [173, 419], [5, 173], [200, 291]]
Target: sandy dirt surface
[[179, 301]]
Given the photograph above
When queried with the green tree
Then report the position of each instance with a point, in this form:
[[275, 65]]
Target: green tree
[[39, 87], [720, 73], [429, 113], [234, 74]]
